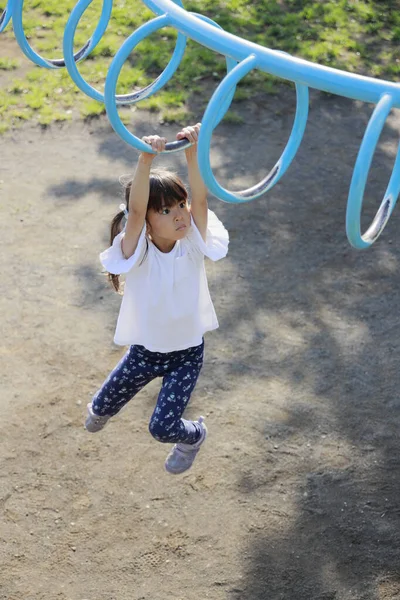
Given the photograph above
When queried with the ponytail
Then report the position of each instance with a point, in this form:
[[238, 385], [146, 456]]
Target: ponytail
[[115, 229]]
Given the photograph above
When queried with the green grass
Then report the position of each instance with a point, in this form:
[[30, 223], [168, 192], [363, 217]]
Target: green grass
[[355, 35], [8, 64]]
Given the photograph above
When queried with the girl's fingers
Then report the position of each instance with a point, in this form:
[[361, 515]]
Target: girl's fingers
[[149, 139], [180, 135], [191, 133], [156, 142]]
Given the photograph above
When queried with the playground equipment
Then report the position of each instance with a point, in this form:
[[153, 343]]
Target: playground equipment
[[242, 56], [5, 16]]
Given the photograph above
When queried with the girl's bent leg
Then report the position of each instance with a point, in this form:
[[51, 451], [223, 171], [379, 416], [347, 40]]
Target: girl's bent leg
[[166, 423], [130, 375]]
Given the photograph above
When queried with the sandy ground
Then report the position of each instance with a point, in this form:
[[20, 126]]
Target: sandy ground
[[295, 495]]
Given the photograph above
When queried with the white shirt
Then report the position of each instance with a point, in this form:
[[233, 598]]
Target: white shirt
[[166, 304]]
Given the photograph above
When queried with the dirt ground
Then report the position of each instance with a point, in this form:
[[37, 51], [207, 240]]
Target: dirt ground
[[295, 495]]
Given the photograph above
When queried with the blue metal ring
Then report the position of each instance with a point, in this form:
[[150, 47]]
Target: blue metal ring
[[114, 71], [57, 63], [209, 124], [6, 15], [359, 180], [123, 98]]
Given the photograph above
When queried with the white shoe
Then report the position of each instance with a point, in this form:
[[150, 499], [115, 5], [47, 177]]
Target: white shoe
[[94, 423], [182, 456]]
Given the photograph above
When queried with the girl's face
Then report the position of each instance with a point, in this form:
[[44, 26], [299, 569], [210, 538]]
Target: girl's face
[[168, 225]]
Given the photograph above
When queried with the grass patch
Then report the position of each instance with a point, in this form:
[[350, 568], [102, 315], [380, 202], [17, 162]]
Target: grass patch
[[91, 109], [233, 118], [176, 116], [355, 35], [9, 64]]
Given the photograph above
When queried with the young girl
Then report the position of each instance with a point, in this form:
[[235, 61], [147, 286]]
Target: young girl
[[166, 306]]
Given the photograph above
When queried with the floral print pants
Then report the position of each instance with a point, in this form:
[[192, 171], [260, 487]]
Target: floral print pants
[[137, 368]]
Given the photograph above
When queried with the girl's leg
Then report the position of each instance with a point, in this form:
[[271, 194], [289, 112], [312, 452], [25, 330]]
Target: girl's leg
[[130, 375], [166, 423]]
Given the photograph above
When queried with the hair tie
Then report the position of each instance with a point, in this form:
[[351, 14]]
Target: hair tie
[[124, 210]]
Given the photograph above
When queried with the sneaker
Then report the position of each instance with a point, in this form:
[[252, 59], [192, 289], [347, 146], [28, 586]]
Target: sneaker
[[182, 456], [94, 422]]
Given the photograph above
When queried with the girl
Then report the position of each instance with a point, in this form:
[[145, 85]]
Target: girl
[[166, 306]]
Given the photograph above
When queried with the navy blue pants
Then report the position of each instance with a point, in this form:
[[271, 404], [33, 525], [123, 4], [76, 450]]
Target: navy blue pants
[[136, 369]]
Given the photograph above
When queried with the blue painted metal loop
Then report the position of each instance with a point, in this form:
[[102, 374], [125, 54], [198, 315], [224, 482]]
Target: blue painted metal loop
[[112, 78], [209, 124], [57, 63], [6, 15], [115, 69], [143, 31], [359, 180]]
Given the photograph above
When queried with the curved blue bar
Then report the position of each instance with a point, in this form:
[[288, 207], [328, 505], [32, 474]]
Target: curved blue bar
[[209, 123], [112, 78], [57, 63], [115, 69], [6, 15], [359, 180], [142, 33], [70, 28]]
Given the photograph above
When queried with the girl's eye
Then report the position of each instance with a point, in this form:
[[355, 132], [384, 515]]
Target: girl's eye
[[182, 204], [165, 211]]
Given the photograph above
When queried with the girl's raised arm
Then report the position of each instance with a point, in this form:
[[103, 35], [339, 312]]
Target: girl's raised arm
[[139, 196], [198, 205]]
